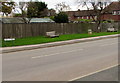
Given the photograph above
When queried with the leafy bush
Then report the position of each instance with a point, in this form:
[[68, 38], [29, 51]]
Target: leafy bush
[[85, 20], [17, 15], [105, 22], [61, 18], [108, 21], [52, 17]]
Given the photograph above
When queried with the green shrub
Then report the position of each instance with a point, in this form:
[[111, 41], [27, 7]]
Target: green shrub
[[52, 17], [105, 22], [85, 20], [17, 15], [61, 18]]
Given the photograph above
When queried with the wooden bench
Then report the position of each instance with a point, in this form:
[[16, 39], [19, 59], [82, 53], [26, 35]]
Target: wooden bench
[[51, 34], [111, 29]]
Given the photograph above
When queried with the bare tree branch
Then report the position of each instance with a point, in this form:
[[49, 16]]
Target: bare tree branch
[[98, 6], [60, 7]]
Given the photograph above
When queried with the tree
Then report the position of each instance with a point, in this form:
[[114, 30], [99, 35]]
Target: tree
[[7, 7], [23, 12], [32, 9], [37, 9], [61, 18], [61, 7], [23, 7], [97, 6]]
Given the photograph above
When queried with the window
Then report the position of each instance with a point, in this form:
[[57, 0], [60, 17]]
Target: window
[[114, 12], [87, 17], [91, 17], [118, 12], [95, 17]]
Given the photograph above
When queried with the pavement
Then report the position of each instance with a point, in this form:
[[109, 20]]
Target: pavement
[[61, 63], [31, 47]]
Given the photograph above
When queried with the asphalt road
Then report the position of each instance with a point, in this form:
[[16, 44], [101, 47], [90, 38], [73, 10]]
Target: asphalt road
[[61, 63], [107, 74]]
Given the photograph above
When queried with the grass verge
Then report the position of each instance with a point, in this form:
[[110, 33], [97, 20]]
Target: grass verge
[[42, 39]]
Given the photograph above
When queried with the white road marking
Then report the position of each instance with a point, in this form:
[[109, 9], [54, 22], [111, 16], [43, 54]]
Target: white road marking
[[57, 53], [93, 73], [68, 51]]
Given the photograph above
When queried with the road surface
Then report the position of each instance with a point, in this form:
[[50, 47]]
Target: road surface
[[108, 74], [61, 63]]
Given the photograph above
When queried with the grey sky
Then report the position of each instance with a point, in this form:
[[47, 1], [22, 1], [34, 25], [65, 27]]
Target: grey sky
[[52, 3]]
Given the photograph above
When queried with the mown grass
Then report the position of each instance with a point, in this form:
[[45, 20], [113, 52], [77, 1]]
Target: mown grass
[[42, 39]]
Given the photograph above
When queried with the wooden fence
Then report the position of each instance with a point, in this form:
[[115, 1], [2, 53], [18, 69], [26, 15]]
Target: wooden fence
[[37, 29]]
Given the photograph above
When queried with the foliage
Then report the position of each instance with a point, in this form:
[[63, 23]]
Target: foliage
[[31, 9], [85, 20], [22, 13], [52, 17], [61, 18], [108, 21], [36, 9], [17, 15], [61, 7], [7, 7], [105, 22], [97, 6], [111, 21], [23, 7]]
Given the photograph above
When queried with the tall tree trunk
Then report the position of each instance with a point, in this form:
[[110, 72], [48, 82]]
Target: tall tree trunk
[[98, 28]]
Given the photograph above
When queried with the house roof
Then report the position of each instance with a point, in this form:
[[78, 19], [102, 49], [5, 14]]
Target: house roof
[[20, 20], [11, 20], [36, 20], [81, 13], [85, 13], [113, 6]]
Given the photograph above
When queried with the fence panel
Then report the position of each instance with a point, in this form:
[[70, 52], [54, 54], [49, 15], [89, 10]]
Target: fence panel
[[37, 29]]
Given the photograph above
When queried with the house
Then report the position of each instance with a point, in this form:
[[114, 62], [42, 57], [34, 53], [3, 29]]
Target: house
[[81, 14], [113, 13], [51, 12]]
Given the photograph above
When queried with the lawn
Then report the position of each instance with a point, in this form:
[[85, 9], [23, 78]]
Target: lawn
[[42, 39]]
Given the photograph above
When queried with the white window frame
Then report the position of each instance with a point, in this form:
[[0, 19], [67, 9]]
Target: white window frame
[[119, 12], [114, 12], [87, 17]]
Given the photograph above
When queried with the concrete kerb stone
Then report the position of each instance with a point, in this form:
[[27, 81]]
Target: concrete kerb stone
[[30, 47]]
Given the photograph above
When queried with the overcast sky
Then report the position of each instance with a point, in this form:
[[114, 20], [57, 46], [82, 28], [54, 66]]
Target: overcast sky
[[73, 3], [51, 3]]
